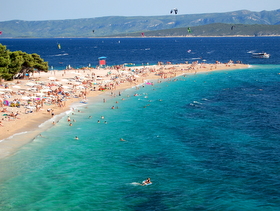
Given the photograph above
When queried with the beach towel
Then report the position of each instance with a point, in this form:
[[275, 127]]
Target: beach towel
[[6, 103]]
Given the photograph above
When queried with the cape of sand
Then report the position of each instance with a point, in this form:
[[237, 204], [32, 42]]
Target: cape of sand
[[80, 85]]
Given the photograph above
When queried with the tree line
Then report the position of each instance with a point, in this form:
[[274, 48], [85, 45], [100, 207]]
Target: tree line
[[18, 64]]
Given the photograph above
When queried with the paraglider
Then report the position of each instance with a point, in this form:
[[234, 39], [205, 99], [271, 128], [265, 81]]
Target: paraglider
[[175, 10]]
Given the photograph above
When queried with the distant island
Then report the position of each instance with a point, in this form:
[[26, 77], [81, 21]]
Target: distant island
[[237, 23]]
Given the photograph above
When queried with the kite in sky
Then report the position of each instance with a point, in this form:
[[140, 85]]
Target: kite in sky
[[175, 10]]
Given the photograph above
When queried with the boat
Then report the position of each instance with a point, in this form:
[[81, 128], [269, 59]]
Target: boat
[[261, 55]]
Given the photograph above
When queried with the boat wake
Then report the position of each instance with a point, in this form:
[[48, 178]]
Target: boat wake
[[62, 54]]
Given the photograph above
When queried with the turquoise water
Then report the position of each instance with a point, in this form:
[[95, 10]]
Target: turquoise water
[[209, 141]]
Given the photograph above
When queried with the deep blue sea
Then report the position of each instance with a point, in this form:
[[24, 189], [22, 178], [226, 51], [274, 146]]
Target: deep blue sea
[[209, 141]]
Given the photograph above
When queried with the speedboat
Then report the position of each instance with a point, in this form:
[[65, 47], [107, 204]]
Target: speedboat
[[261, 55]]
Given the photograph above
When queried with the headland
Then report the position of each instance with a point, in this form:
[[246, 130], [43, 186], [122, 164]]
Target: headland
[[43, 97]]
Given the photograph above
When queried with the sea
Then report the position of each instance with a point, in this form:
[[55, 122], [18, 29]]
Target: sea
[[208, 141]]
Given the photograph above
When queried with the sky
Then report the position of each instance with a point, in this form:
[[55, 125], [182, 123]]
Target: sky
[[33, 10]]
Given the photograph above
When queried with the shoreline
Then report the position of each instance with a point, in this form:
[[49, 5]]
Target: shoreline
[[182, 36], [20, 131]]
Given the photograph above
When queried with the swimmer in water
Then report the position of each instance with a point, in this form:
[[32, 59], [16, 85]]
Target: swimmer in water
[[76, 138], [146, 182]]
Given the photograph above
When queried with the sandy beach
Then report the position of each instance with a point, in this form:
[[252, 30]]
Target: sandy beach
[[25, 104]]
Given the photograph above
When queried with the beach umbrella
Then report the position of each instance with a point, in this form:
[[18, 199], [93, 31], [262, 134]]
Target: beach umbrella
[[16, 87], [30, 107], [57, 83], [30, 84], [39, 94], [80, 87], [5, 90], [35, 97], [46, 90]]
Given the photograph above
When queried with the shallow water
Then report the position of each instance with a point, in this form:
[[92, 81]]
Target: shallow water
[[207, 141]]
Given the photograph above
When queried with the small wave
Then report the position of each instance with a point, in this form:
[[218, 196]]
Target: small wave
[[135, 183], [56, 118], [62, 54], [210, 52], [17, 134], [196, 102], [252, 51]]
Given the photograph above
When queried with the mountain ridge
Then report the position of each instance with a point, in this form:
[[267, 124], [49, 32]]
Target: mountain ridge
[[116, 25]]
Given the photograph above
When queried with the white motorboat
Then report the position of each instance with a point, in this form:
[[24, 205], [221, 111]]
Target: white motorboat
[[261, 55]]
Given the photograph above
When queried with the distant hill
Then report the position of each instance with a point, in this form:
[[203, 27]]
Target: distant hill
[[116, 25], [215, 29]]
